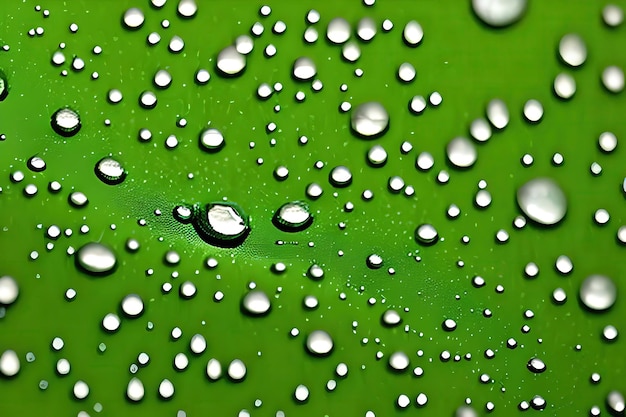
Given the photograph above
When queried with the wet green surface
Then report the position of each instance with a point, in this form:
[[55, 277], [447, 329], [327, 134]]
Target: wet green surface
[[466, 62]]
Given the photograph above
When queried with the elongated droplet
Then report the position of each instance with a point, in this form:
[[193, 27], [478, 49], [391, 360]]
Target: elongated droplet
[[96, 258]]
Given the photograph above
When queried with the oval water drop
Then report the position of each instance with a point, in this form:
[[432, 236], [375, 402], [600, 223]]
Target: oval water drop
[[598, 292], [542, 200], [369, 119], [96, 258], [230, 62], [293, 217]]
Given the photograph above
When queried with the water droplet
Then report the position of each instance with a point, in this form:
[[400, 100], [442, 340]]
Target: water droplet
[[211, 140], [480, 130], [461, 152], [399, 361], [81, 390], [542, 200], [536, 365], [499, 13], [166, 389], [187, 8], [187, 290], [230, 62], [426, 234], [338, 30], [237, 370], [498, 113], [598, 292], [304, 69], [613, 79], [533, 111], [314, 191], [9, 290], [133, 18], [111, 322], [366, 29], [293, 217], [564, 86], [374, 261], [369, 119], [351, 51], [613, 15], [340, 176], [609, 333], [214, 369], [391, 317], [65, 122], [607, 141], [132, 305], [601, 217], [465, 411], [319, 343], [615, 402], [301, 393], [96, 258], [403, 401], [564, 265], [425, 161], [110, 171], [222, 224], [135, 390], [9, 363], [256, 303], [572, 50], [417, 104], [413, 33], [538, 402]]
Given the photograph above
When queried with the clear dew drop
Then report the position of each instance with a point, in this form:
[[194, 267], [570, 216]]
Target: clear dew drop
[[80, 390], [9, 290], [424, 161], [366, 29], [564, 264], [319, 343], [607, 141], [417, 104], [133, 18], [244, 44], [293, 217], [340, 176], [237, 370], [369, 119], [110, 171], [533, 111], [96, 258], [63, 367], [135, 390], [542, 200], [612, 15], [413, 33], [162, 79], [132, 305], [304, 69], [230, 62], [480, 130], [65, 122], [465, 411], [613, 79], [461, 152], [609, 333], [391, 317], [598, 292], [211, 140], [406, 72], [9, 363], [376, 156], [426, 234], [536, 365], [301, 394], [564, 86], [214, 369], [499, 13], [351, 51], [338, 30], [111, 322], [399, 361], [572, 50], [498, 113], [256, 303], [314, 191], [187, 8], [222, 224], [166, 389]]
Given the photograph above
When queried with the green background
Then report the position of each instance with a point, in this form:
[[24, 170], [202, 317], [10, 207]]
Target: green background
[[467, 62]]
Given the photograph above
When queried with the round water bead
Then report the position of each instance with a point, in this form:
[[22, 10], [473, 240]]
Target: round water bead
[[369, 119], [338, 30], [417, 104], [572, 50], [81, 390], [256, 303], [181, 361], [607, 141], [564, 86], [293, 217], [9, 290], [63, 367], [499, 13], [244, 44], [230, 62], [598, 292], [65, 122], [536, 365], [211, 140], [542, 200], [340, 176], [564, 264], [111, 322], [391, 317], [135, 390], [413, 33], [461, 152], [9, 363], [351, 51], [613, 15], [376, 156], [214, 369], [609, 333], [399, 361], [304, 69], [133, 18], [615, 402], [319, 343], [406, 72], [237, 370], [132, 305], [110, 171], [36, 164], [424, 161], [533, 111], [96, 258], [166, 389], [366, 29], [301, 393], [222, 224], [613, 79], [426, 234]]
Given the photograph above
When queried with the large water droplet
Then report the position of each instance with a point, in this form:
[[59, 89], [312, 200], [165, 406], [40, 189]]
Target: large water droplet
[[133, 18], [132, 305], [230, 62], [564, 86], [338, 30], [9, 363], [369, 119], [214, 369], [166, 389], [613, 79], [498, 113], [598, 292], [187, 8], [426, 234], [9, 290], [65, 122], [615, 402], [135, 390], [256, 303], [399, 361], [221, 224], [461, 152], [319, 343], [536, 365], [110, 171], [413, 33], [304, 69], [340, 176], [293, 217], [499, 13], [96, 258], [366, 29], [211, 140], [542, 200], [572, 50]]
